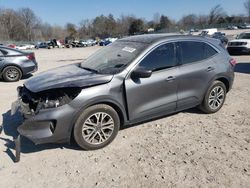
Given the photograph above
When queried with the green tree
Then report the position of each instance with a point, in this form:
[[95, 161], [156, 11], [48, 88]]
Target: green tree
[[137, 26]]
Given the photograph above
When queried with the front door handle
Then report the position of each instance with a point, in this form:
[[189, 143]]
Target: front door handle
[[210, 69], [170, 78]]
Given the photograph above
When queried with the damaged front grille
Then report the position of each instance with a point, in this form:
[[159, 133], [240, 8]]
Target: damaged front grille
[[31, 102]]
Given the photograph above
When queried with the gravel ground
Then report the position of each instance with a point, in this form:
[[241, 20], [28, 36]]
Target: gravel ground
[[187, 149]]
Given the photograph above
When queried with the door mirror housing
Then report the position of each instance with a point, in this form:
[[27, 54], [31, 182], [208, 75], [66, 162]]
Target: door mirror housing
[[141, 72]]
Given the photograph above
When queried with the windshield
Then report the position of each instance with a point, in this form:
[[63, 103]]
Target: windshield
[[244, 36], [113, 58]]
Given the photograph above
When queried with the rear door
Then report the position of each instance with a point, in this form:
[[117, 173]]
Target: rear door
[[197, 68], [147, 97]]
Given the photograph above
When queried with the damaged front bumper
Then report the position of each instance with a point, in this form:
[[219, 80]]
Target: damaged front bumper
[[52, 125]]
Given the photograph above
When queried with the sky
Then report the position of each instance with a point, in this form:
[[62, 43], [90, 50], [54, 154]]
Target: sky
[[62, 11]]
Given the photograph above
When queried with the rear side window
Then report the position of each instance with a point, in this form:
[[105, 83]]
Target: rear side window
[[191, 51], [160, 58], [209, 51]]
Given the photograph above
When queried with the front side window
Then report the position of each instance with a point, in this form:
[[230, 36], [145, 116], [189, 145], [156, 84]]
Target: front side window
[[191, 51], [160, 58]]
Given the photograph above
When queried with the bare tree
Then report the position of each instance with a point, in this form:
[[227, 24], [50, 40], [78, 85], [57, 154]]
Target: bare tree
[[215, 13], [247, 7], [11, 25], [71, 30], [189, 21], [29, 21]]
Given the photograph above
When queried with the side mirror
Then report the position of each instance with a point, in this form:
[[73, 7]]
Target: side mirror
[[141, 72]]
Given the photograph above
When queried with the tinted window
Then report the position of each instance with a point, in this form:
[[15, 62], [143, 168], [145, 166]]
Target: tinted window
[[195, 51], [160, 58], [209, 51], [3, 53]]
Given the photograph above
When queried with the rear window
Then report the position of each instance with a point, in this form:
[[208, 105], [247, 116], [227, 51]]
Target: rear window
[[192, 51]]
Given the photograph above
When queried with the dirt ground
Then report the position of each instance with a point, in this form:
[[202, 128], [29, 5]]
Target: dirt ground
[[187, 149]]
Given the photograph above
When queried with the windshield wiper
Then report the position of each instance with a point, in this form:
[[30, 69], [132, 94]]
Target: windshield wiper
[[89, 69]]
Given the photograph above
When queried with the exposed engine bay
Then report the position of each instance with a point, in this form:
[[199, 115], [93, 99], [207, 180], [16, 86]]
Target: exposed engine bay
[[31, 103]]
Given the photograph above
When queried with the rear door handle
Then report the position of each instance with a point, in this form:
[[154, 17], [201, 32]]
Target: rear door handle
[[1, 59], [170, 78], [210, 69]]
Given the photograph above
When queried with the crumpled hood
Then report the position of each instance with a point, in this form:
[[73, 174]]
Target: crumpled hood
[[66, 76]]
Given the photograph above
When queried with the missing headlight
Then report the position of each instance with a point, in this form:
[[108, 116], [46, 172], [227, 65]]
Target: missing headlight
[[33, 102]]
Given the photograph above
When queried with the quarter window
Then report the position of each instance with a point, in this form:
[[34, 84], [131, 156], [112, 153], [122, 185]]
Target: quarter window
[[3, 53], [161, 58], [195, 51]]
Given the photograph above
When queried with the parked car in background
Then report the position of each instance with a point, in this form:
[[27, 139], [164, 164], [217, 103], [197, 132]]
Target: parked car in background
[[208, 31], [107, 41], [11, 46], [240, 45], [91, 42], [131, 80], [193, 30], [15, 63], [104, 42], [244, 26], [25, 46], [221, 37], [42, 45], [83, 43], [232, 27]]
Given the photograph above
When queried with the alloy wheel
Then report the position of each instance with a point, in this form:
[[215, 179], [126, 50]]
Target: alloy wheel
[[98, 128], [216, 97]]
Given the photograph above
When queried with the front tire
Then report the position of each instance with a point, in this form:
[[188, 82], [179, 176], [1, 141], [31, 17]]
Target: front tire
[[11, 74], [214, 98], [96, 127]]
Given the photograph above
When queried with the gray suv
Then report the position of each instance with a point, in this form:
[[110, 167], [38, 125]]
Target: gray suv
[[132, 80]]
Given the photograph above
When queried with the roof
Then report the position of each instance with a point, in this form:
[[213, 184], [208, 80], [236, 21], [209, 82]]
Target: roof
[[152, 38]]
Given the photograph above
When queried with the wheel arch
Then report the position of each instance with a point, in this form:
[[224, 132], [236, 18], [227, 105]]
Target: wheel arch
[[115, 105], [225, 81], [10, 65]]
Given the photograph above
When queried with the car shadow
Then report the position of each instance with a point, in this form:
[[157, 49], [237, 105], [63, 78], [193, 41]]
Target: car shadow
[[11, 122], [243, 67], [189, 111], [9, 127], [26, 76]]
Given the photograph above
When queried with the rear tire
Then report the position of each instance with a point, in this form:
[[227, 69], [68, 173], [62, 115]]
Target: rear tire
[[96, 127], [11, 74], [214, 98]]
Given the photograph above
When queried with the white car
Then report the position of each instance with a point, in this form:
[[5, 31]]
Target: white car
[[25, 46], [240, 45]]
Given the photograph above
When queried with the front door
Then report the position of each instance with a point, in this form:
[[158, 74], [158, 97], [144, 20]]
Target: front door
[[156, 95]]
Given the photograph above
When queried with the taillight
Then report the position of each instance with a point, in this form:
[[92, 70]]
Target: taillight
[[31, 56], [233, 62]]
